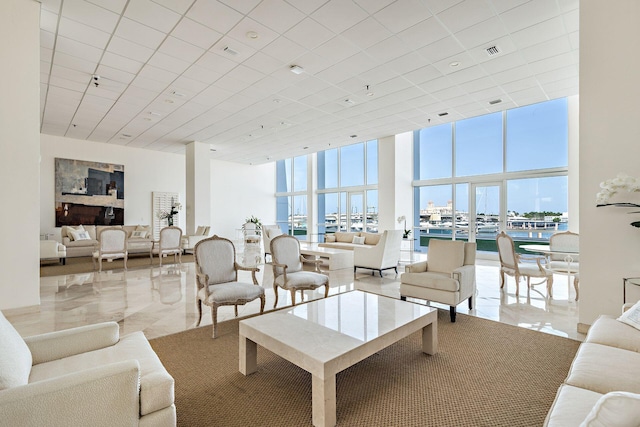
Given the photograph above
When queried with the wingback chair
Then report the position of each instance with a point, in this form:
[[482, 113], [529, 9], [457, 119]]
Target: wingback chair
[[287, 268], [170, 244], [112, 245], [269, 232], [382, 256], [511, 264], [85, 376], [564, 258], [217, 279], [448, 276]]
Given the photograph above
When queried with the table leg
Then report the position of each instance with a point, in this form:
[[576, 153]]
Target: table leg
[[323, 397], [430, 338], [247, 356]]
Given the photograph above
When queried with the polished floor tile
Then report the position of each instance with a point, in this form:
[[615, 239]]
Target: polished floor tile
[[161, 300]]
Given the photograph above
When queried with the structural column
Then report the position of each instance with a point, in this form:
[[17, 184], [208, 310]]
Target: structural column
[[198, 180], [395, 195]]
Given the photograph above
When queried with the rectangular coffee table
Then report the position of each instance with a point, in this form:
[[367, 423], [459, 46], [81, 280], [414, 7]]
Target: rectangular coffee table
[[338, 258], [328, 335]]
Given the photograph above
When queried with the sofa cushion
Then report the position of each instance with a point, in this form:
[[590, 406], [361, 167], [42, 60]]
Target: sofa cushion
[[431, 280], [345, 237], [371, 238], [82, 243], [598, 368], [146, 228], [156, 385], [15, 356], [80, 235], [138, 234], [571, 406], [606, 330], [632, 316], [446, 256], [330, 238], [615, 409], [358, 240]]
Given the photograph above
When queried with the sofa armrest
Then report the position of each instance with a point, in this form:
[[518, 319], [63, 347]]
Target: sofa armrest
[[418, 267], [466, 275], [66, 241], [69, 342], [86, 398]]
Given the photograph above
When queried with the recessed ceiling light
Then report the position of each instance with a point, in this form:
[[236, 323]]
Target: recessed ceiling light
[[296, 69], [349, 101], [305, 148], [277, 101], [155, 113], [443, 114], [353, 136], [178, 94], [252, 35], [454, 64], [495, 101]]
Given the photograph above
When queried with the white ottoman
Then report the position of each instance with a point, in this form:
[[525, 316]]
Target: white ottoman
[[51, 250]]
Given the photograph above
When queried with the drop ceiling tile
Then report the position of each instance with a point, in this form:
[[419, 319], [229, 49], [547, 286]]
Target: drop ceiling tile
[[70, 74], [121, 63], [214, 15], [307, 6], [48, 21], [143, 82], [116, 6], [466, 14], [504, 44], [339, 15], [407, 63], [547, 30], [46, 56], [309, 33], [178, 6], [503, 62], [195, 33], [367, 33], [436, 84], [83, 33], [201, 74], [158, 74], [51, 5], [110, 90], [211, 96], [423, 33], [242, 51], [75, 63], [284, 49], [264, 63], [483, 33], [152, 15], [543, 50], [503, 5], [569, 72], [129, 49], [140, 34], [422, 74], [55, 81], [571, 21], [92, 15], [169, 63], [79, 50], [529, 14], [441, 49], [478, 84], [468, 74], [47, 39], [277, 15], [242, 31], [400, 15], [388, 49], [553, 63], [182, 50]]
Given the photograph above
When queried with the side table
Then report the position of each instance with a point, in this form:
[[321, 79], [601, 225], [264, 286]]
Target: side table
[[629, 281]]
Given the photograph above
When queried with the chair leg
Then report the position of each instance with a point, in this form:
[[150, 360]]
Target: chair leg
[[125, 262], [550, 286], [403, 298], [199, 307], [380, 273], [517, 285], [100, 262], [180, 257], [94, 264], [160, 257], [501, 279], [452, 314], [275, 291], [293, 297], [235, 309], [262, 300], [326, 290], [214, 318], [471, 303], [576, 281]]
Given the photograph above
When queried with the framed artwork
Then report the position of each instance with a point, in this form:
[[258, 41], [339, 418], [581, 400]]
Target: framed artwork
[[89, 193]]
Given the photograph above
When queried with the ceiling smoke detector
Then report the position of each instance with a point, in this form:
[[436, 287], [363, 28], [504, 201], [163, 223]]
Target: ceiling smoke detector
[[296, 69]]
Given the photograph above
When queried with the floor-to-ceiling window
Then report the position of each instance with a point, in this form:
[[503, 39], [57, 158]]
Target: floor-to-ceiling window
[[501, 171], [348, 188], [291, 196]]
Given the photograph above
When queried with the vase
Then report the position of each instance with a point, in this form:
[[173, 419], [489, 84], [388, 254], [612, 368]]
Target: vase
[[170, 221]]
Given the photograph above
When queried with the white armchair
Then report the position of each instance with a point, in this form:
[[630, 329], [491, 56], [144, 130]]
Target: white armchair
[[189, 242], [83, 376], [448, 276], [383, 256], [269, 232], [53, 250]]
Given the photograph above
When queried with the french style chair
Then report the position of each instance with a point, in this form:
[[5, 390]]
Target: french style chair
[[511, 264], [448, 276], [217, 279], [112, 244], [170, 243], [564, 248], [288, 272], [84, 376]]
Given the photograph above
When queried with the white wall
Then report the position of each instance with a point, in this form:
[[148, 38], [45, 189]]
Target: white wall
[[145, 171], [609, 144], [239, 191], [19, 152]]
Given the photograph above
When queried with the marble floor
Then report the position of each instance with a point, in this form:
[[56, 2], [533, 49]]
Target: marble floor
[[161, 300]]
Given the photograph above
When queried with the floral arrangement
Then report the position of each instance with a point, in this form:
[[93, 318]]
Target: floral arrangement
[[622, 182], [405, 232], [254, 220], [175, 207]]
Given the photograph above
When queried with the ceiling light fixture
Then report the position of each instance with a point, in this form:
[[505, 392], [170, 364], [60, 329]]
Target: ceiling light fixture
[[369, 93], [454, 64], [126, 135], [349, 101], [230, 51], [443, 114], [296, 69], [495, 101], [252, 35], [305, 148], [353, 136], [155, 113], [178, 94]]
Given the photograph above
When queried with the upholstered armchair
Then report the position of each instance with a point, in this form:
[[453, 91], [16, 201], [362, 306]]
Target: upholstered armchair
[[53, 250], [563, 257], [448, 276], [85, 376], [170, 244], [288, 270], [511, 263], [112, 244], [382, 256], [217, 279], [189, 242], [269, 232]]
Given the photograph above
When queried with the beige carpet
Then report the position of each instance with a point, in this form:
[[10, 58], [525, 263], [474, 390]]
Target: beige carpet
[[485, 374], [85, 264]]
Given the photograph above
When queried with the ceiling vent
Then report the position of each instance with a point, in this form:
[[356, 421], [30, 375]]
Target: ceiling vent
[[230, 51], [495, 101], [443, 114], [493, 50]]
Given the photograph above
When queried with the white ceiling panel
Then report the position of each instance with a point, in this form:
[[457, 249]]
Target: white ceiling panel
[[391, 59]]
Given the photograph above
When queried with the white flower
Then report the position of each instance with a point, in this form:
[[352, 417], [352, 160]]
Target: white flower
[[401, 218], [622, 182], [177, 206]]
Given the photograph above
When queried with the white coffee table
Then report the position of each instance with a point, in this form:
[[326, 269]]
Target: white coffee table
[[328, 335], [338, 258]]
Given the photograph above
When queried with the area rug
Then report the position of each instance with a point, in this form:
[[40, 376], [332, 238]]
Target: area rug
[[78, 265], [484, 374]]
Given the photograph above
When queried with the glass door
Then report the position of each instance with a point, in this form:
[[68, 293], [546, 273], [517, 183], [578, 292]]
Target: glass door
[[484, 213]]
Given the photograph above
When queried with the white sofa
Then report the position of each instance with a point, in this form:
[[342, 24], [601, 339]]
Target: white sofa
[[85, 376], [603, 384], [345, 240], [52, 250], [383, 255], [79, 248], [189, 242]]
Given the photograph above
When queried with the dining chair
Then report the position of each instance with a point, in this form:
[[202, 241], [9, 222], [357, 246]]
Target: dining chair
[[217, 279], [511, 264], [564, 248], [112, 245], [170, 243], [288, 270]]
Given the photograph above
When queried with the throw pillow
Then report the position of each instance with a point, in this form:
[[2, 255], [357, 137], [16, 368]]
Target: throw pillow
[[329, 238], [358, 240], [15, 356], [82, 235], [200, 231], [72, 230], [139, 234], [615, 409], [632, 316]]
